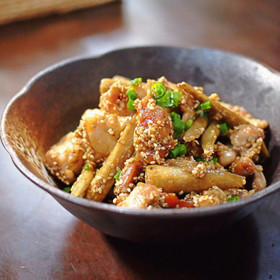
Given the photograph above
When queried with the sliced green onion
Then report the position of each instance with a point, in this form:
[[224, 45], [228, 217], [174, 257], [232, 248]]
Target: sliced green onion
[[165, 99], [200, 159], [189, 124], [178, 124], [117, 176], [206, 105], [67, 189], [86, 167], [215, 160], [224, 129], [136, 82], [234, 198], [169, 99], [132, 95], [174, 98], [178, 150], [158, 90], [130, 105]]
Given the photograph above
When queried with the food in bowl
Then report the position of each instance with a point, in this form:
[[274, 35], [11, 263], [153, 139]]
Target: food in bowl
[[157, 144]]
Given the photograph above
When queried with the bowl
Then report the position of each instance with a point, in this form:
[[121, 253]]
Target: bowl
[[52, 103]]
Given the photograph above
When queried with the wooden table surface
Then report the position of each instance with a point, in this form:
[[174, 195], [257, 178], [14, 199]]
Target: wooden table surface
[[38, 238]]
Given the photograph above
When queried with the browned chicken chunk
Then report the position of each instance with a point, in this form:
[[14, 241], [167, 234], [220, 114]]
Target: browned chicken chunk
[[65, 159]]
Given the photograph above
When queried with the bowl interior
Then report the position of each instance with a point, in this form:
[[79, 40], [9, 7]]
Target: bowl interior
[[53, 102]]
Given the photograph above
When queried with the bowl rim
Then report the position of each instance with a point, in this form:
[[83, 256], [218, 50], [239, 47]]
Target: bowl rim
[[155, 213]]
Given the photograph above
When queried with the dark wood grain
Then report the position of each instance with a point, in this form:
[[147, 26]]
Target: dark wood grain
[[41, 240]]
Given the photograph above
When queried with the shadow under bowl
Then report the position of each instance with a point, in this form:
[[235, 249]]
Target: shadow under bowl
[[52, 103]]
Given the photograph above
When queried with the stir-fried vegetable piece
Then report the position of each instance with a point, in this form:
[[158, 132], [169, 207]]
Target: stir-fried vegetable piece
[[234, 198], [118, 174], [176, 179], [136, 81], [179, 125], [104, 178], [178, 150], [196, 130], [206, 105], [224, 129], [164, 98], [132, 95], [83, 181], [209, 138]]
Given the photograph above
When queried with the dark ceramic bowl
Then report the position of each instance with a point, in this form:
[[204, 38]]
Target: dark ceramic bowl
[[52, 103]]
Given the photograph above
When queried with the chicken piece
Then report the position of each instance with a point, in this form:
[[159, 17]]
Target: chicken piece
[[259, 181], [210, 197], [243, 137], [114, 96], [153, 136], [106, 83], [241, 193], [142, 196], [226, 154], [143, 88], [115, 99], [65, 159], [246, 167], [243, 166], [101, 131]]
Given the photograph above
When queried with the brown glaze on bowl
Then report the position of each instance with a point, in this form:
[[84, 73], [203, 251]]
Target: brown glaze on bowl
[[52, 103]]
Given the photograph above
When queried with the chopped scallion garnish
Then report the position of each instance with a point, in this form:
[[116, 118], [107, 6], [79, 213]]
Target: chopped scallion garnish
[[132, 95], [130, 105], [67, 189], [215, 160], [178, 150], [169, 99], [86, 167], [136, 82], [223, 129], [117, 176], [158, 90], [198, 159], [206, 105], [234, 198], [165, 99], [178, 124], [189, 124]]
